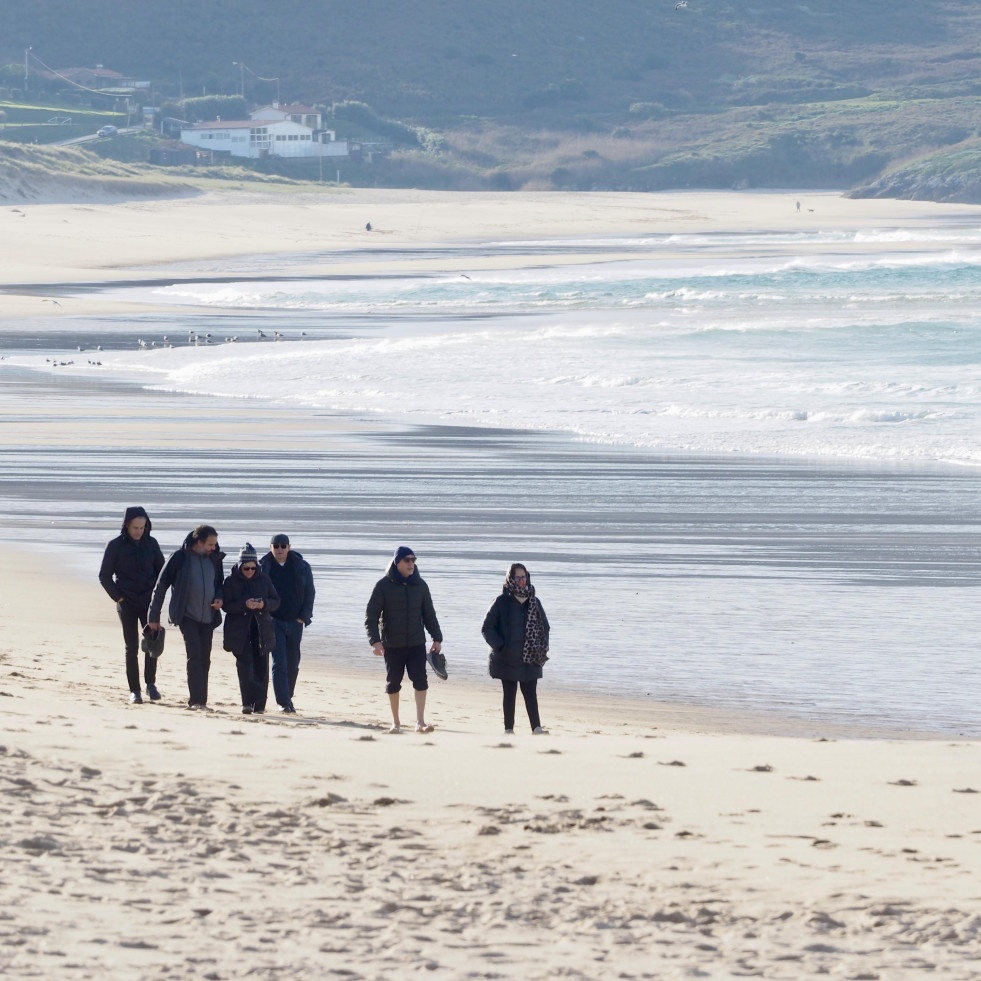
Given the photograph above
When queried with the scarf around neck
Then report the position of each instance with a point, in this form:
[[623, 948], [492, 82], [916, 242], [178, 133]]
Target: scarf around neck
[[535, 650]]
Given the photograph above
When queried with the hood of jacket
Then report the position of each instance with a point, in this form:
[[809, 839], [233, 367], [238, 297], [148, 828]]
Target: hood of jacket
[[136, 512]]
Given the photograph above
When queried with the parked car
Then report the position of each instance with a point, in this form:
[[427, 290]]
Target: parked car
[[107, 131]]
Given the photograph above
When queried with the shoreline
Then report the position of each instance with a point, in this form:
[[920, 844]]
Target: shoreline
[[41, 241]]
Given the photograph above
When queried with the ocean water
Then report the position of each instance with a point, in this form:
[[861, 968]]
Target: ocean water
[[744, 469], [792, 346]]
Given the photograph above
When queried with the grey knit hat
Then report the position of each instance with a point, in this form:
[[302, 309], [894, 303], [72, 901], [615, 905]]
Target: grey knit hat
[[247, 554]]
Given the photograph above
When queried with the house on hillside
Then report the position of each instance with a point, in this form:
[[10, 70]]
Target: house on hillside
[[273, 131], [303, 115], [100, 78]]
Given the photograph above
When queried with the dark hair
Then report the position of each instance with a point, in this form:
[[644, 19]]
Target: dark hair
[[203, 532], [514, 568]]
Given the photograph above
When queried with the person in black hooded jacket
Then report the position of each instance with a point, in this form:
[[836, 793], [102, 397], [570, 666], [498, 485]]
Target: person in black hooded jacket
[[399, 613], [130, 566], [250, 599]]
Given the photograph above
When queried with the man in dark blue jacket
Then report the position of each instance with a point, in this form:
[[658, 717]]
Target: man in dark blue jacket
[[293, 578], [194, 576]]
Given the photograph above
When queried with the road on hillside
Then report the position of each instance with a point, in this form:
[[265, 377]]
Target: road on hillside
[[122, 131]]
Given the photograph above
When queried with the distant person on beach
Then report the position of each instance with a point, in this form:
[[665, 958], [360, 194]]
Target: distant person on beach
[[130, 566], [399, 613], [249, 602], [292, 578], [367, 226], [517, 630], [194, 576]]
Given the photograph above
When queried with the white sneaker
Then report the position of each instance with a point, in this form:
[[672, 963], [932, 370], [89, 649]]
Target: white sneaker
[[508, 732], [539, 731]]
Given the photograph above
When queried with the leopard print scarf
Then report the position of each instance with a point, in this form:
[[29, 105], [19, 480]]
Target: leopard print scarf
[[536, 643]]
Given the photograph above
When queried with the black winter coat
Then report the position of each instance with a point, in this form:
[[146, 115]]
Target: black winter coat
[[172, 575], [130, 568], [398, 611], [303, 581], [239, 619], [504, 631]]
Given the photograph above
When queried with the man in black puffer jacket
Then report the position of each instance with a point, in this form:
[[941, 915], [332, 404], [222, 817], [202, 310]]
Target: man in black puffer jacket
[[398, 615]]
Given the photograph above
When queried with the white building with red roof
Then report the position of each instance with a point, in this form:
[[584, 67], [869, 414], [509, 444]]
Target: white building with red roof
[[273, 131]]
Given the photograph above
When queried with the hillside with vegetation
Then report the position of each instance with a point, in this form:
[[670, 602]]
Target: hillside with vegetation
[[882, 97]]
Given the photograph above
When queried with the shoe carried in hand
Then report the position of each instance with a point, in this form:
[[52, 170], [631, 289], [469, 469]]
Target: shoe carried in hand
[[437, 661]]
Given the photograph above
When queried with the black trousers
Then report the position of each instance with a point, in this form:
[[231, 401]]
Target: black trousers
[[133, 620], [253, 672], [197, 643], [529, 691]]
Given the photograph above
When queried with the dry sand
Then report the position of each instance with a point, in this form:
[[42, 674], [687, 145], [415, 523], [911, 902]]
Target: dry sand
[[152, 842]]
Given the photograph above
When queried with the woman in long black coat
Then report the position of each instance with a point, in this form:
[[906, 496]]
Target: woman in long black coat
[[517, 630], [249, 598], [130, 566]]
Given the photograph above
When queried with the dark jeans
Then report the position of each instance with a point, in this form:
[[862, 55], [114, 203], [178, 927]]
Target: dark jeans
[[286, 660], [197, 643], [398, 661], [529, 691], [253, 672], [133, 620]]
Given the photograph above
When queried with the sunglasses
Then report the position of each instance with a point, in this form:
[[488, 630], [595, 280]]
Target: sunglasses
[[280, 546], [249, 568]]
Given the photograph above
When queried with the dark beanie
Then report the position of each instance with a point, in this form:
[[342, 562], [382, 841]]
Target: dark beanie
[[401, 552], [247, 554]]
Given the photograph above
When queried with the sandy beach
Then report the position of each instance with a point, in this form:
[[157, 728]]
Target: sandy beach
[[150, 841], [636, 840]]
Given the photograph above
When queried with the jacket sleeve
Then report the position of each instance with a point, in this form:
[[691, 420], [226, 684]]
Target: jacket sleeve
[[306, 611], [429, 615], [373, 612], [158, 557], [491, 630], [272, 599], [107, 570], [545, 623], [164, 581], [219, 577]]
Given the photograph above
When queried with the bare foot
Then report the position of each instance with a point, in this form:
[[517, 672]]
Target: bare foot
[[422, 727], [396, 729]]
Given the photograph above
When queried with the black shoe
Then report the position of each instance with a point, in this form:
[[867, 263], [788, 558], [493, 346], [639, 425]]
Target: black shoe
[[151, 690], [135, 698], [247, 709], [287, 709]]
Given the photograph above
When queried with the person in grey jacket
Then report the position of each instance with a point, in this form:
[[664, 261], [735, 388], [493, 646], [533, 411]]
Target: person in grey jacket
[[194, 576], [130, 566], [399, 613], [516, 629]]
